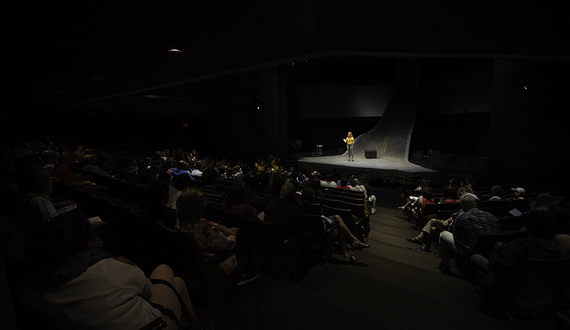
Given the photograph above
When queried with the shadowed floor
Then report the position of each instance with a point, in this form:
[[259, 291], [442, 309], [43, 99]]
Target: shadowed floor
[[392, 286]]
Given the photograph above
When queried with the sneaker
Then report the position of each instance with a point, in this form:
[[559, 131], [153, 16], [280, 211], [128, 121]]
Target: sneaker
[[248, 278]]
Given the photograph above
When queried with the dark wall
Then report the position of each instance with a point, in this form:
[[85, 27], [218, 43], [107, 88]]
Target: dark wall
[[454, 106], [529, 127]]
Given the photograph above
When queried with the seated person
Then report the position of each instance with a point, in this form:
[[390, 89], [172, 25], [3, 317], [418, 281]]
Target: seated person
[[435, 226], [345, 235], [507, 262], [235, 202], [466, 228], [343, 184], [288, 217], [218, 243], [452, 195], [97, 290], [35, 207], [64, 173], [542, 202], [90, 167], [182, 169], [518, 193], [497, 194], [369, 199]]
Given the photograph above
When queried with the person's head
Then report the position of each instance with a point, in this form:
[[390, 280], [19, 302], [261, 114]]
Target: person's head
[[468, 202], [343, 182], [452, 192], [190, 205], [308, 195], [315, 185], [181, 182], [355, 182], [287, 191], [277, 184], [237, 194], [36, 181], [426, 193], [349, 134], [518, 192], [464, 191], [540, 224], [543, 199], [498, 191], [182, 165], [42, 183], [49, 157], [209, 177]]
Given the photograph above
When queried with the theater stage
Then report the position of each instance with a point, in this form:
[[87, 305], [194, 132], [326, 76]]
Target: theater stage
[[376, 167]]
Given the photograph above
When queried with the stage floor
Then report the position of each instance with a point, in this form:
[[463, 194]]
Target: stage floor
[[377, 165]]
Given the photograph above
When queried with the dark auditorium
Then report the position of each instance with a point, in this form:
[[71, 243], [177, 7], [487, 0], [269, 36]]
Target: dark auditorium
[[258, 165]]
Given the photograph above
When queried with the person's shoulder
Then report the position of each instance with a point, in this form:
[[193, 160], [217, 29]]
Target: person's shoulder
[[125, 261]]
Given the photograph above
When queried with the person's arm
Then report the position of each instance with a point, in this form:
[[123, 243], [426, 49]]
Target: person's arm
[[563, 242], [223, 238]]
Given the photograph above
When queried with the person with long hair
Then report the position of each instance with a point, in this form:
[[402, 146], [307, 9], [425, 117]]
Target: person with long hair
[[349, 140]]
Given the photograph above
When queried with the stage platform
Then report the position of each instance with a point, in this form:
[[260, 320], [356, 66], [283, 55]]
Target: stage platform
[[389, 169]]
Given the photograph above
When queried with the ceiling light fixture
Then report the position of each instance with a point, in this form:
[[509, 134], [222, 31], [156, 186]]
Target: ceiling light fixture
[[174, 50]]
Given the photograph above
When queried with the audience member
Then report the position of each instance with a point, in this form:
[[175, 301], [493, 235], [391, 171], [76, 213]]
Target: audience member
[[497, 194], [288, 217], [542, 202], [235, 202], [507, 262], [217, 242], [434, 226], [466, 228], [80, 152], [35, 207], [369, 199], [518, 193], [345, 235], [343, 184], [97, 290], [64, 173]]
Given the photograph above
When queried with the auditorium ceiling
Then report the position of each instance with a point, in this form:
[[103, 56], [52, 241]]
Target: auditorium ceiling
[[62, 53]]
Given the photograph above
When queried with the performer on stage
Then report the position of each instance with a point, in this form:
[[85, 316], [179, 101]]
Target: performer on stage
[[349, 144]]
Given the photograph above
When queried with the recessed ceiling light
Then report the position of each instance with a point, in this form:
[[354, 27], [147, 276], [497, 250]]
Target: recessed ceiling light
[[174, 50]]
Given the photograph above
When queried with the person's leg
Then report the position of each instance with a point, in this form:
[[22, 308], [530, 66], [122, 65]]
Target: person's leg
[[433, 225], [164, 296], [180, 286], [446, 244], [477, 267], [347, 234], [344, 231], [372, 200]]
